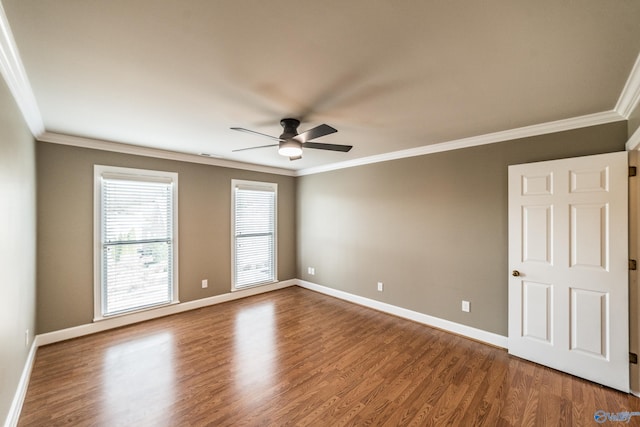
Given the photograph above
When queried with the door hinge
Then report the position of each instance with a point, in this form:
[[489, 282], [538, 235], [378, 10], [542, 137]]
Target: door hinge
[[633, 264], [632, 171], [633, 358]]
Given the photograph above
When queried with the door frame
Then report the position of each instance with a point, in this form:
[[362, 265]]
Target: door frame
[[634, 295]]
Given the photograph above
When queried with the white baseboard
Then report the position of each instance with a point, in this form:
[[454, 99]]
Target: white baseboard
[[446, 325], [116, 322], [21, 390], [92, 328]]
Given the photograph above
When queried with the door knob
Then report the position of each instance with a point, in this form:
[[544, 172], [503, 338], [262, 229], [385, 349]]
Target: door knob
[[515, 273]]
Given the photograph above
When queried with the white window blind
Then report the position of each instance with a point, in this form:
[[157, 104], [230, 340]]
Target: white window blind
[[137, 240], [254, 233]]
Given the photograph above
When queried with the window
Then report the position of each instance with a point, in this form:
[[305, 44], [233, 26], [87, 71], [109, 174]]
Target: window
[[135, 240], [253, 229]]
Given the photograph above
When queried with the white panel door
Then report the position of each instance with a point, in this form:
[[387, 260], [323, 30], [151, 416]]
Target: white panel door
[[568, 256]]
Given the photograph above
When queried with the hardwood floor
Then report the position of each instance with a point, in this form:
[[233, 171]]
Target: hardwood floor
[[295, 357]]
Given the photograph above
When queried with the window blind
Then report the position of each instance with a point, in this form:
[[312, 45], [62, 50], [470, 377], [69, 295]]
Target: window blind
[[254, 234], [137, 244]]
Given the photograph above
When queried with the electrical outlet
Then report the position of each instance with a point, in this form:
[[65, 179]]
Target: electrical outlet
[[466, 306], [205, 283], [380, 286], [311, 271], [26, 338]]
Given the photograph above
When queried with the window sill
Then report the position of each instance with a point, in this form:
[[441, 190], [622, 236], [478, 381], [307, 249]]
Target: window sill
[[255, 285], [132, 312]]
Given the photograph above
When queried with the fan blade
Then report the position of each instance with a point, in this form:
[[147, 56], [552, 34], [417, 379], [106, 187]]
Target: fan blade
[[295, 158], [257, 133], [253, 148], [332, 147], [314, 133]]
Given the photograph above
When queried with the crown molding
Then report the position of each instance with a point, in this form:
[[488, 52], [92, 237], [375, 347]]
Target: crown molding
[[117, 147], [508, 135], [490, 138], [630, 95], [634, 141], [13, 72]]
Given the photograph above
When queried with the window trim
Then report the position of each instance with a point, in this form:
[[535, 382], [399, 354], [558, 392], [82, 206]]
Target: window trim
[[131, 174], [261, 186]]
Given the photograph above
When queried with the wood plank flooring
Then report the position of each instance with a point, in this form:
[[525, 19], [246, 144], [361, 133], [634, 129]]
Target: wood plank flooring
[[295, 357]]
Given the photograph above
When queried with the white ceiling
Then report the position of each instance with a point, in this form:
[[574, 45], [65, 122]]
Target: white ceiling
[[389, 75]]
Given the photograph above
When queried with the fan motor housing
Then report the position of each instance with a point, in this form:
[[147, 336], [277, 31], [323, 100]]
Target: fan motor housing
[[290, 128]]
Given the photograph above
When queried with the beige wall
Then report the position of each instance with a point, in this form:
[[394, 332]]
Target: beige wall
[[17, 245], [65, 228], [433, 228]]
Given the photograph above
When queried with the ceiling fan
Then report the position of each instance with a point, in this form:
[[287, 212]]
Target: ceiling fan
[[290, 143]]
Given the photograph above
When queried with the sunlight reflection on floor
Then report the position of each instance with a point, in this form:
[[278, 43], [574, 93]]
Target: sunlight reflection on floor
[[255, 351], [140, 372]]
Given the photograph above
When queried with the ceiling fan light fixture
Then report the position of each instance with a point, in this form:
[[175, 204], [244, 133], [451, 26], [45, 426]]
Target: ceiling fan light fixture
[[290, 148]]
